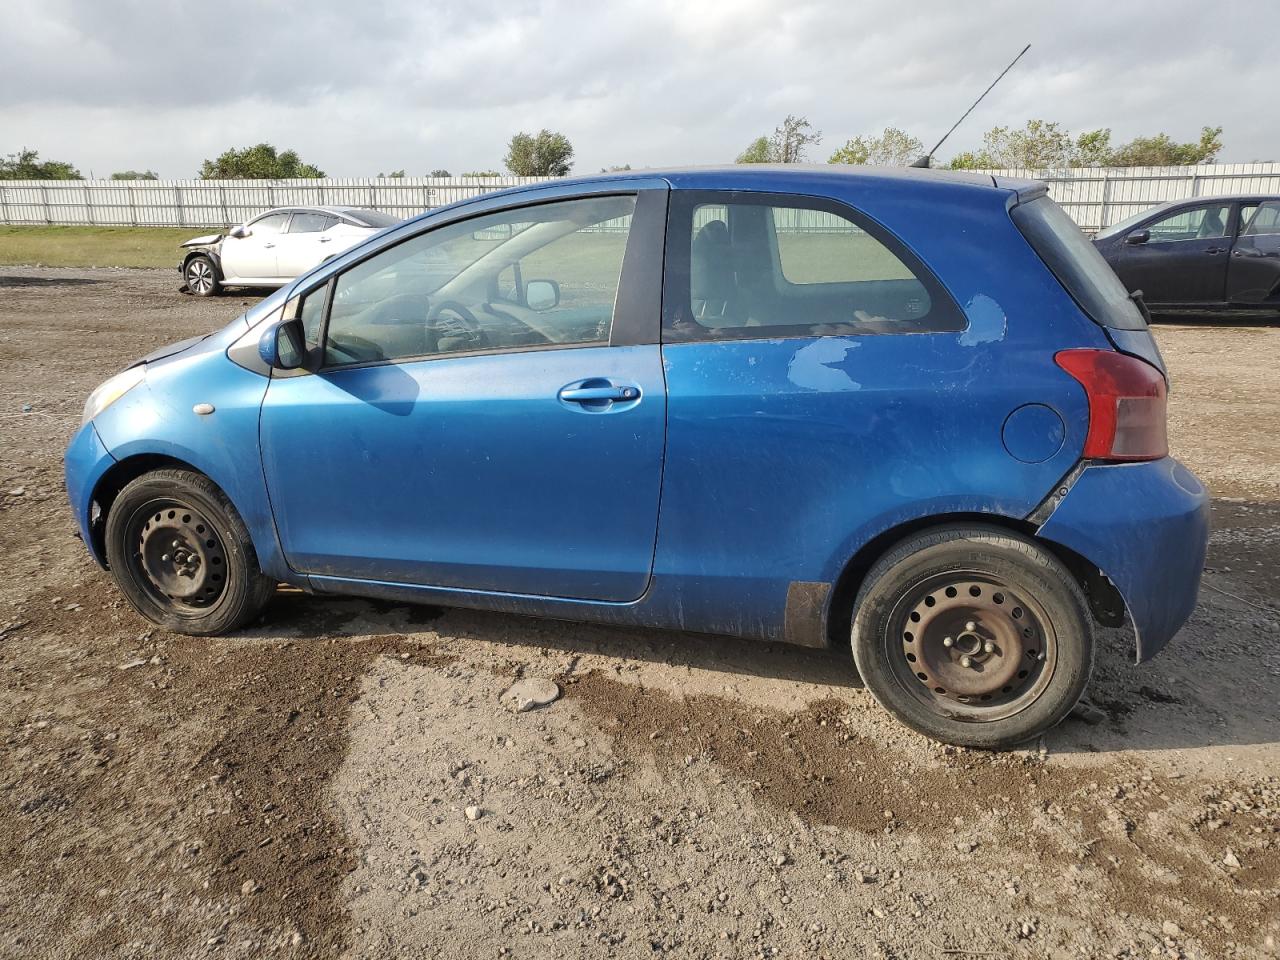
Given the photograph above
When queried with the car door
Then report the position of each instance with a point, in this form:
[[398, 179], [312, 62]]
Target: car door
[[466, 432], [253, 256], [1183, 259], [305, 242], [1253, 277]]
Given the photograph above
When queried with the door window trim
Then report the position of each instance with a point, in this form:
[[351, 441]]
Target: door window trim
[[637, 311], [677, 281]]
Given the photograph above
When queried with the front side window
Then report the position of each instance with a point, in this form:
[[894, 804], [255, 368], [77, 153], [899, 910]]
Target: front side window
[[306, 221], [1262, 218], [539, 276], [271, 223], [756, 266], [1198, 223], [311, 314]]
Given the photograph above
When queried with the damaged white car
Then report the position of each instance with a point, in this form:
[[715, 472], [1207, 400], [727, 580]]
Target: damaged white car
[[276, 246]]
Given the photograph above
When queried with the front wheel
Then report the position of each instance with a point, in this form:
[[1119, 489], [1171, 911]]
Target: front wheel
[[182, 556], [973, 635], [201, 275]]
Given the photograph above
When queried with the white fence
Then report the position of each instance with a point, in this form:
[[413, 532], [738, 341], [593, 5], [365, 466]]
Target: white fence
[[224, 203], [1095, 197]]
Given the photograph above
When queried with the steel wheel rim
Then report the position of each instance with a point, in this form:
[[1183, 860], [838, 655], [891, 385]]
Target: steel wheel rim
[[972, 647], [199, 276], [177, 556]]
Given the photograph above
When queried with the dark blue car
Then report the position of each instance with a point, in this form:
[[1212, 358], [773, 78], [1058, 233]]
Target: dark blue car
[[909, 411], [1201, 257]]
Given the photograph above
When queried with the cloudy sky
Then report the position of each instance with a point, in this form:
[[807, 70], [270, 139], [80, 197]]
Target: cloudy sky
[[376, 85]]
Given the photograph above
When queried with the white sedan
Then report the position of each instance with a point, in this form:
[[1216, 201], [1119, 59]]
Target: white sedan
[[276, 246]]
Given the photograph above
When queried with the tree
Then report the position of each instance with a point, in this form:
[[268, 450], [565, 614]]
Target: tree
[[27, 165], [1162, 151], [135, 175], [1042, 144], [893, 148], [1039, 145], [393, 175], [1093, 149], [545, 155], [483, 173], [440, 172], [622, 169], [758, 152], [260, 162], [787, 145], [789, 140]]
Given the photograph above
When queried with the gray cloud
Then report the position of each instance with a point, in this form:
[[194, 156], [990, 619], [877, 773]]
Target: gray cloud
[[358, 88]]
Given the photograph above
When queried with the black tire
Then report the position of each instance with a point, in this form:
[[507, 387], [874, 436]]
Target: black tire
[[973, 635], [202, 277], [182, 556]]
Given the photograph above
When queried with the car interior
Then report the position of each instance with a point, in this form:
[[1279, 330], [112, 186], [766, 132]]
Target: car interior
[[467, 286], [843, 279]]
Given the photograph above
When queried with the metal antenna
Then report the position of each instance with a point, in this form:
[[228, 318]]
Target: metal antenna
[[928, 157]]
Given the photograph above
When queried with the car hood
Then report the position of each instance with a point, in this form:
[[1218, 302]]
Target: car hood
[[203, 241], [168, 350]]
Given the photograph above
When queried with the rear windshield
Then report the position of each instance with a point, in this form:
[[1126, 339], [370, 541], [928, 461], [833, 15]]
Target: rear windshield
[[1078, 266], [373, 218]]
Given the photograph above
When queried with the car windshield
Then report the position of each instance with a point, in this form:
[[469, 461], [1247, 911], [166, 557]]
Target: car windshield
[[373, 218], [1128, 222]]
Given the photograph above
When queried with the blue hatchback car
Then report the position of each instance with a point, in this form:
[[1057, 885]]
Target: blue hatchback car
[[908, 411]]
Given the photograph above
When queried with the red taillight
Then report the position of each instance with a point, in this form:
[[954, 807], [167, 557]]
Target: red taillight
[[1126, 404]]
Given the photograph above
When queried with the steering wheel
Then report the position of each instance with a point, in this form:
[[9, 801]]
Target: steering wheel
[[401, 308], [465, 326]]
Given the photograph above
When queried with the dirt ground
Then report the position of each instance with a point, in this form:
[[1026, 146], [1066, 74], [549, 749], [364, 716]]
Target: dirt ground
[[302, 789]]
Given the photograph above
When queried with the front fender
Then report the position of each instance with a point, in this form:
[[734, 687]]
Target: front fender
[[1146, 527], [157, 418]]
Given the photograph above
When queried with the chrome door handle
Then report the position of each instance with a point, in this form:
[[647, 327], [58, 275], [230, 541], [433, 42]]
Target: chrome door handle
[[268, 246], [587, 394], [325, 239]]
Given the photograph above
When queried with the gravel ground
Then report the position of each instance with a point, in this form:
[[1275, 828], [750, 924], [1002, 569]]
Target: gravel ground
[[345, 779]]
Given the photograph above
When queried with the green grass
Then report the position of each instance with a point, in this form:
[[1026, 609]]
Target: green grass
[[806, 258], [834, 257], [95, 246]]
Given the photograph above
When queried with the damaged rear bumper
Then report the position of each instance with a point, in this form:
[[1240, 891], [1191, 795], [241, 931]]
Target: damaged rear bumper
[[1146, 527]]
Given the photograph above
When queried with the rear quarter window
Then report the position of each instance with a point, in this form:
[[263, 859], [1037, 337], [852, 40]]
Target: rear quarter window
[[1077, 264], [744, 265]]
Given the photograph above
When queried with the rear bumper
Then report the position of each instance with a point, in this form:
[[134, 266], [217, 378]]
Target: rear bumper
[[1146, 527], [85, 462]]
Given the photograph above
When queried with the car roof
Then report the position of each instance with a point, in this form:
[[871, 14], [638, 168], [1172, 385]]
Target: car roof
[[734, 174], [1212, 198], [336, 211], [775, 177]]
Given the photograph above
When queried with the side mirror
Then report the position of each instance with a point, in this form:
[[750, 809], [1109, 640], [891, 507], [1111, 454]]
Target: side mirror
[[541, 294], [1138, 236], [240, 232], [282, 346]]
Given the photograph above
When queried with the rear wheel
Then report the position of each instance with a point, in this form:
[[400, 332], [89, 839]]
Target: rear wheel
[[201, 275], [973, 635], [182, 556]]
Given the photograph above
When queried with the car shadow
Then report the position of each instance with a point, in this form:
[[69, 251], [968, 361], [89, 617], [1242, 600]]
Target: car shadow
[[1214, 685], [12, 281], [293, 613], [1216, 320]]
